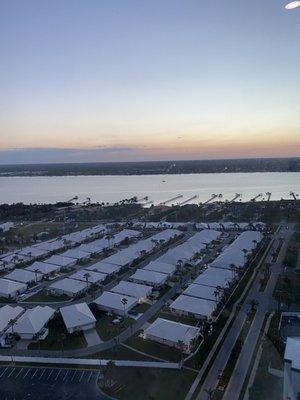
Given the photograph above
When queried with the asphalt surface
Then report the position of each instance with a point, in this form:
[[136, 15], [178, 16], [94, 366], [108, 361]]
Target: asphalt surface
[[265, 304], [19, 383]]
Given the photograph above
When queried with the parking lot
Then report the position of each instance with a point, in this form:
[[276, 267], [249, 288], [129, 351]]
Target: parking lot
[[48, 383]]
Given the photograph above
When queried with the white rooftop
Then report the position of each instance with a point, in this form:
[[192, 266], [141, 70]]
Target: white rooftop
[[77, 315], [33, 320], [76, 254], [200, 291], [70, 285], [132, 289], [194, 305], [43, 267], [9, 287], [8, 313], [292, 352], [23, 275], [60, 260], [104, 268], [94, 277], [151, 277], [172, 331], [113, 300], [214, 277], [33, 252], [51, 245], [160, 266]]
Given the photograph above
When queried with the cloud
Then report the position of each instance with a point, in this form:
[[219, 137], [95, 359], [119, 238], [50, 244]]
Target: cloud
[[60, 155]]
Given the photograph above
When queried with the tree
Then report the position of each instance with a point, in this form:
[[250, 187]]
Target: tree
[[86, 277], [62, 338], [210, 393], [245, 251], [124, 301], [253, 304], [180, 345], [35, 274], [107, 372]]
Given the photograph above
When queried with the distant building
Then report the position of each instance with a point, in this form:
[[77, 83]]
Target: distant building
[[291, 380], [115, 303], [68, 287], [10, 289], [78, 317], [172, 334], [32, 323], [6, 226]]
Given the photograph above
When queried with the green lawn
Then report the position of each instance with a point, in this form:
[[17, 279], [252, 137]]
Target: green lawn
[[141, 308], [177, 318], [150, 384], [291, 256], [267, 386], [43, 297], [106, 329], [54, 339], [289, 286], [155, 349], [120, 353]]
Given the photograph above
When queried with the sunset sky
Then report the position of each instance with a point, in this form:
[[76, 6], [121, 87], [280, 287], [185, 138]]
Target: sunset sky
[[126, 80]]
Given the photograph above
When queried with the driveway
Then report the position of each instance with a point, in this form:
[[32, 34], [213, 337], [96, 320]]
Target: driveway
[[92, 337]]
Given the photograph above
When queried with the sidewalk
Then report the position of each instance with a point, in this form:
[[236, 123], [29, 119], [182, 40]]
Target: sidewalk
[[88, 362]]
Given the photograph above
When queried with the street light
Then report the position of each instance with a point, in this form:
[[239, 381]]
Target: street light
[[292, 5]]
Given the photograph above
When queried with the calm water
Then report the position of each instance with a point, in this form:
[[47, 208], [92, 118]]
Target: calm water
[[157, 187]]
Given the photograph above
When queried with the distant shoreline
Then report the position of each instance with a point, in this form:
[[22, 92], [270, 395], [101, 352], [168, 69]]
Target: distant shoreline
[[154, 167]]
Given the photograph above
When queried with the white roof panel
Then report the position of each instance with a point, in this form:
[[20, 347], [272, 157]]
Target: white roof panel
[[194, 305], [69, 285], [104, 268], [159, 266], [33, 320], [61, 261], [23, 275], [94, 277], [8, 313], [8, 287], [132, 289], [172, 331], [43, 267], [151, 277], [200, 291], [113, 300], [77, 315]]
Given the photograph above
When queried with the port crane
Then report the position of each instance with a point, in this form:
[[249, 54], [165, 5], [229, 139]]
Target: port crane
[[256, 197], [294, 195], [236, 196], [163, 203]]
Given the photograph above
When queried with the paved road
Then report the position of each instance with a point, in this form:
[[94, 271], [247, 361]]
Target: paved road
[[266, 304], [19, 383], [223, 355]]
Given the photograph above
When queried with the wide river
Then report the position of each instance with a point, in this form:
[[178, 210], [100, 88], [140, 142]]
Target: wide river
[[157, 187]]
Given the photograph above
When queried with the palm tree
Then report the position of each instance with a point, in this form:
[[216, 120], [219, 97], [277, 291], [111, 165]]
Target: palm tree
[[107, 370], [245, 251], [86, 277], [12, 324], [210, 393], [35, 274], [62, 338], [253, 303], [180, 345], [233, 269], [124, 301]]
